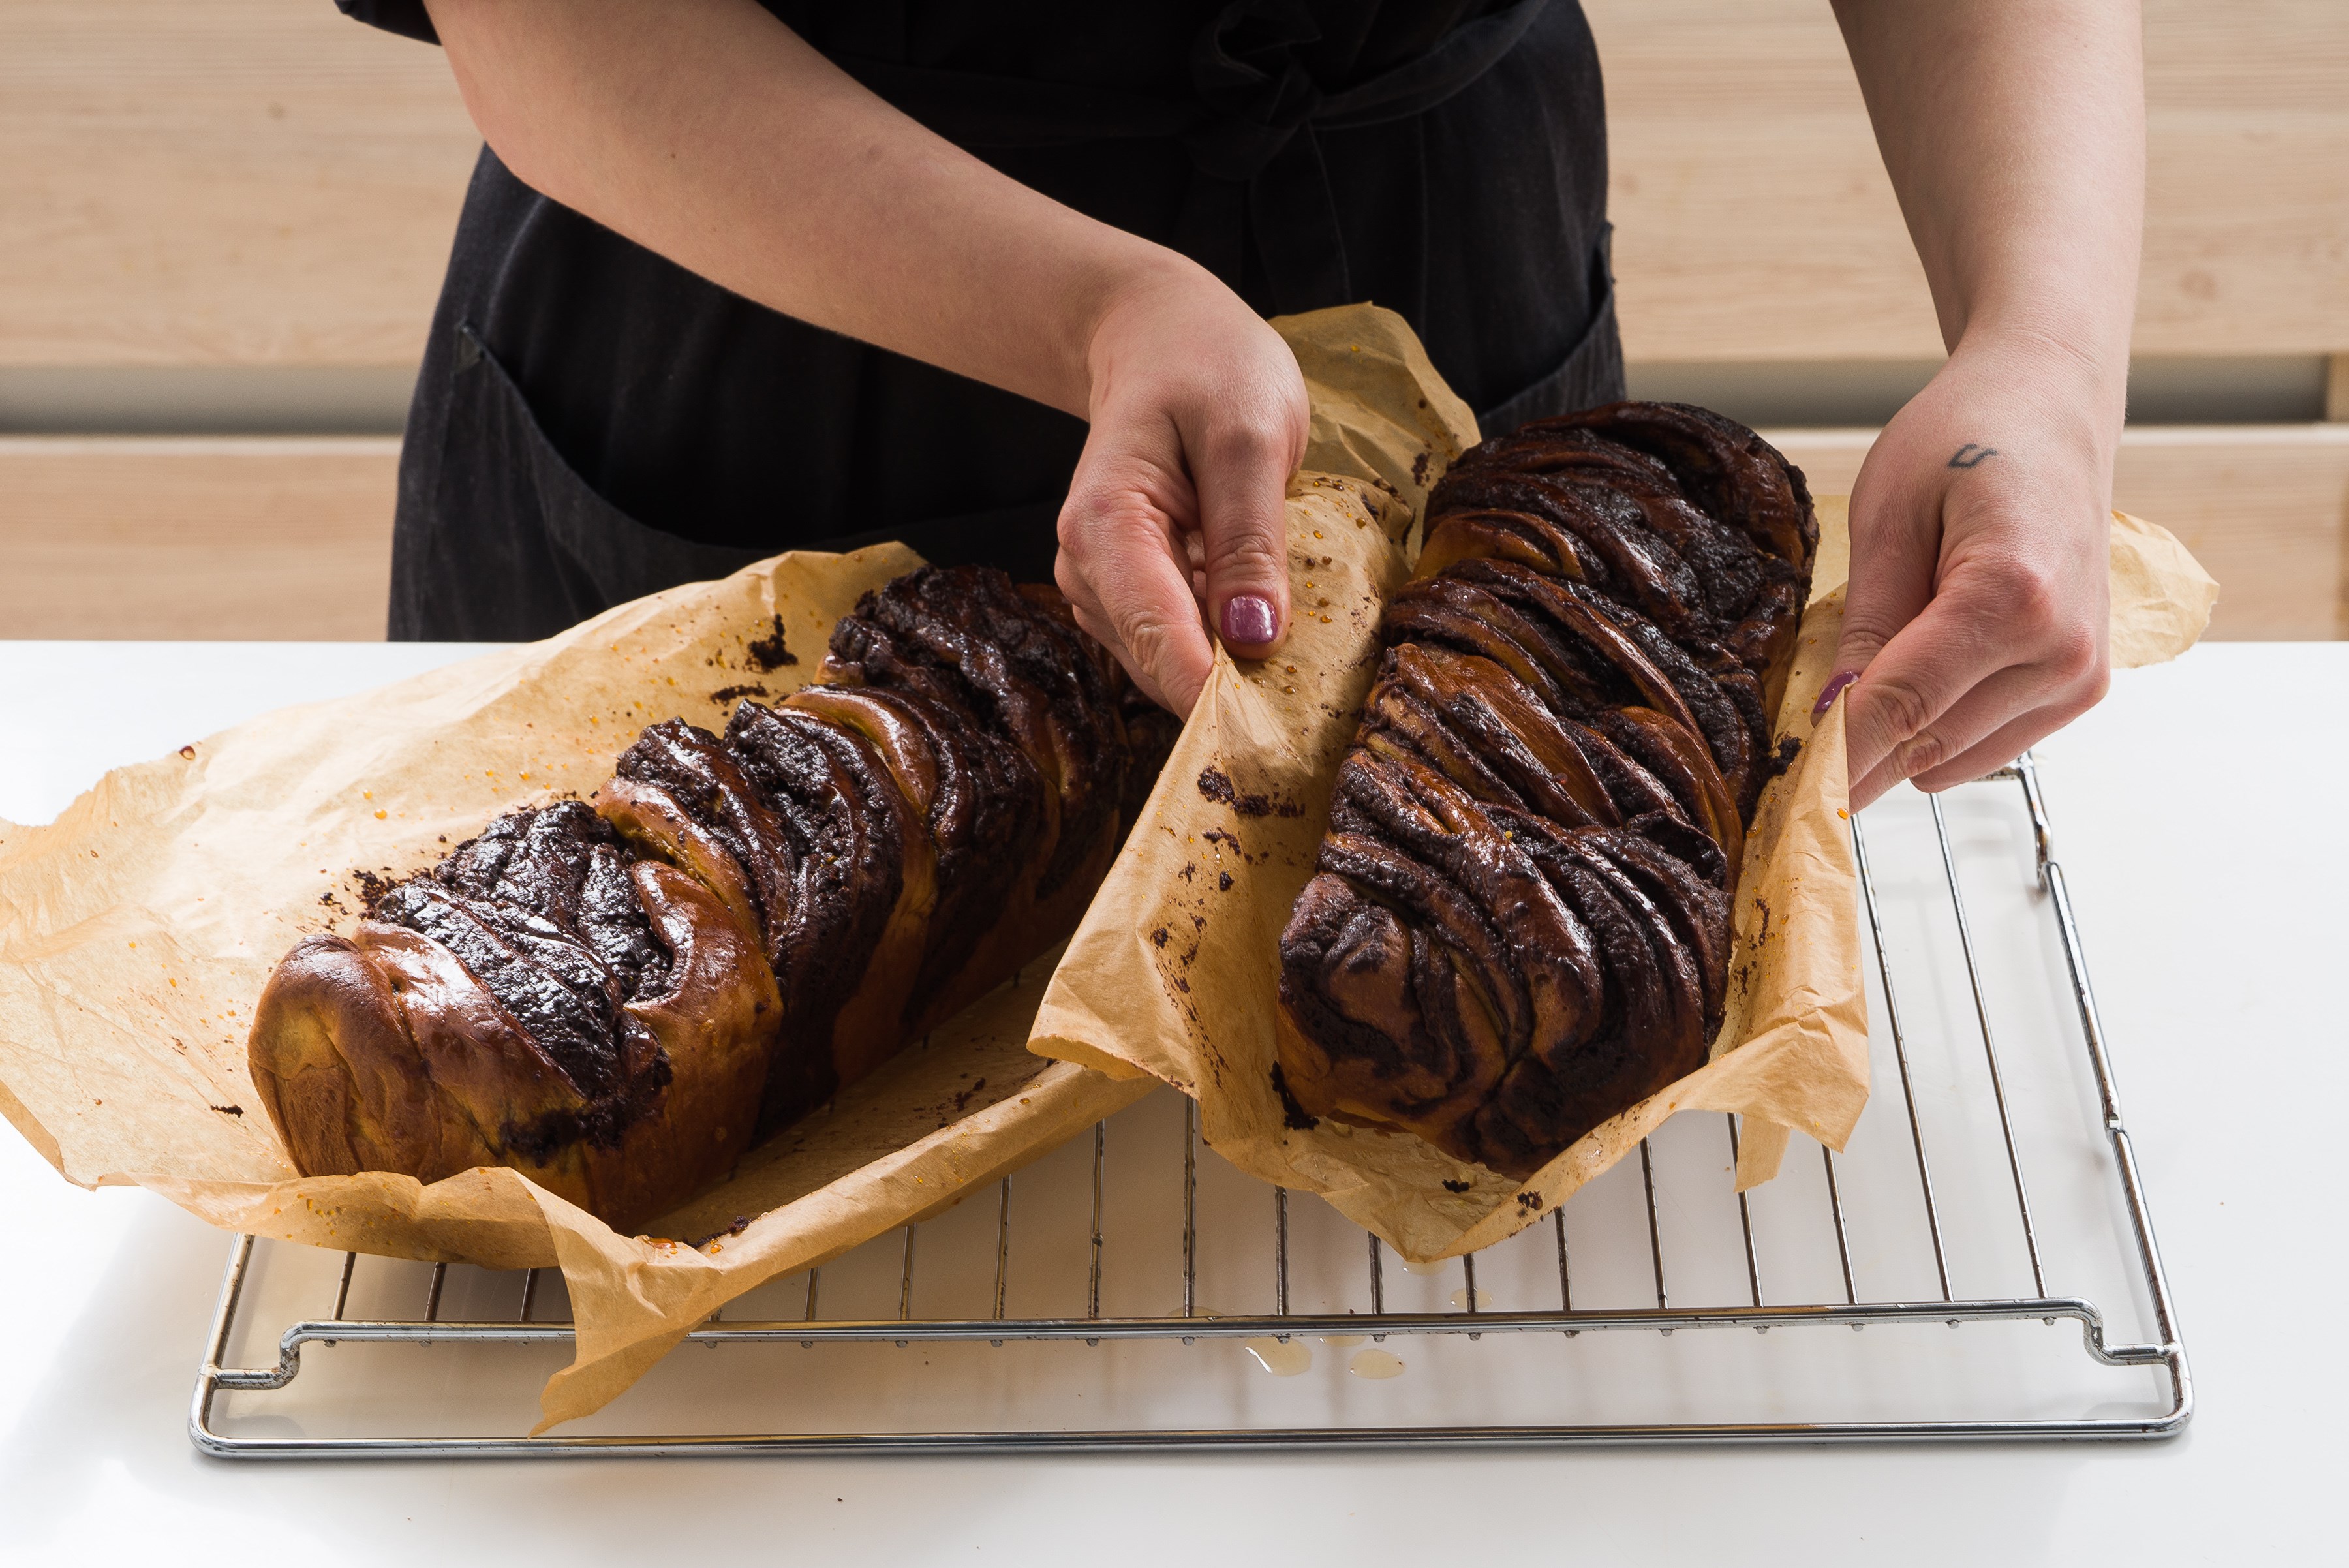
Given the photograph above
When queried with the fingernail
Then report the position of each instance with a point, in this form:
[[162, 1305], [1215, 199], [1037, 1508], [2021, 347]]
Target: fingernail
[[1834, 688], [1248, 620]]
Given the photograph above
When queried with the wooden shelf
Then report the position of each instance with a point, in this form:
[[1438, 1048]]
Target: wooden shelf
[[262, 183], [2265, 509], [217, 537]]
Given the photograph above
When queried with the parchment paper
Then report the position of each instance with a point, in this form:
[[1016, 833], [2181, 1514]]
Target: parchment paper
[[1175, 971], [137, 929]]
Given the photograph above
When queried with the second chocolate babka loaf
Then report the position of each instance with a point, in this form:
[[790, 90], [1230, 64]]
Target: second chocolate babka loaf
[[1520, 921], [619, 1000]]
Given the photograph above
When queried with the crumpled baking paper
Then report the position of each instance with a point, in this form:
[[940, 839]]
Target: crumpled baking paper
[[1174, 971], [137, 929]]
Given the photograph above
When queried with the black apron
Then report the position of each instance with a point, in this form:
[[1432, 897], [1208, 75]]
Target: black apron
[[593, 422]]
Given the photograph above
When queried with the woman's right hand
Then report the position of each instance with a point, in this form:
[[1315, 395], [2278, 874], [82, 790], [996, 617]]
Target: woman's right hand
[[1175, 519], [707, 132]]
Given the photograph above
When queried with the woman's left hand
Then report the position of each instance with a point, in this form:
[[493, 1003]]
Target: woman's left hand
[[1980, 605]]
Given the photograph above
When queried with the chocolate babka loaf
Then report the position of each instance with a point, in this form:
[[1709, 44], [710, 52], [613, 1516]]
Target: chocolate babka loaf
[[1520, 920], [620, 999]]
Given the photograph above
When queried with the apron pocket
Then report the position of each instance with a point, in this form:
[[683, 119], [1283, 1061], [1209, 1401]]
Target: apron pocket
[[1590, 374], [520, 545]]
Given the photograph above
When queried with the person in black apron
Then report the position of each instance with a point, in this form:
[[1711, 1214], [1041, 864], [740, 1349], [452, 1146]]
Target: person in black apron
[[595, 421]]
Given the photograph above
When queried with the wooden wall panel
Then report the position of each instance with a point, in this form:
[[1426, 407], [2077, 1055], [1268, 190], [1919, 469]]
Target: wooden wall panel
[[290, 538], [2265, 509], [126, 537], [226, 182], [1754, 220], [261, 182]]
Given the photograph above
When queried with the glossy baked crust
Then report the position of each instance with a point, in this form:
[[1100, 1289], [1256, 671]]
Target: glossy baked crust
[[620, 999], [384, 1052], [1519, 923]]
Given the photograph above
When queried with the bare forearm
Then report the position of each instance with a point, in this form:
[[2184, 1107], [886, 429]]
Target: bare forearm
[[705, 130], [2014, 133], [1976, 619], [708, 132]]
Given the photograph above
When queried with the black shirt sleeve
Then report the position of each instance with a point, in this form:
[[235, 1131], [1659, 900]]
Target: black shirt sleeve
[[406, 18]]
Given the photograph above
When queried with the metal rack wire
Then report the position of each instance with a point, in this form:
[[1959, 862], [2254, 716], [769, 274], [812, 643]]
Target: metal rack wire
[[2163, 1353]]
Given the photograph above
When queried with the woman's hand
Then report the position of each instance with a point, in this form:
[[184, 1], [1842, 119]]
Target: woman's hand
[[711, 133], [1980, 603], [2015, 134], [1198, 419]]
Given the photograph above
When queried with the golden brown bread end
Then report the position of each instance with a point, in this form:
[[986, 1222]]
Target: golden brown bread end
[[382, 1052]]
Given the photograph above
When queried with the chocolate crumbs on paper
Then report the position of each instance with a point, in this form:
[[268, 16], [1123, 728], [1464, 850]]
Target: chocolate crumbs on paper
[[769, 654]]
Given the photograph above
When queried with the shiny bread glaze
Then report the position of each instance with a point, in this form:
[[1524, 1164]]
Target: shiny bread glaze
[[1519, 923]]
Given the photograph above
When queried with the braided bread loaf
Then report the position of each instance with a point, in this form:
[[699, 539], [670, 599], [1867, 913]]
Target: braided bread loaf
[[619, 1001], [1520, 921]]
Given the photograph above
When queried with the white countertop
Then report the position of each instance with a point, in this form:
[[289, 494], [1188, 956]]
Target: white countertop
[[2199, 811]]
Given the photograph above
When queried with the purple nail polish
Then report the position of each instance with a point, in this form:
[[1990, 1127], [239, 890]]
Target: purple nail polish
[[1834, 688], [1248, 620]]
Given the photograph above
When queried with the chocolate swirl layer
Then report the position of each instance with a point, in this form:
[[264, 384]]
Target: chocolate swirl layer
[[1520, 922], [619, 1000]]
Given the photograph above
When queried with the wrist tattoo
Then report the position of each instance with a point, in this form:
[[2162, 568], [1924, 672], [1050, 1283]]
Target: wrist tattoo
[[1970, 456]]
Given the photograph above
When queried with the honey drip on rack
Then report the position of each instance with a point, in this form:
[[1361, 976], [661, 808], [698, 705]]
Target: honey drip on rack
[[1282, 1360]]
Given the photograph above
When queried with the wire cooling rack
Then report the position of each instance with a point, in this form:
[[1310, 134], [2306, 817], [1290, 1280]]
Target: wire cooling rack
[[1988, 1169]]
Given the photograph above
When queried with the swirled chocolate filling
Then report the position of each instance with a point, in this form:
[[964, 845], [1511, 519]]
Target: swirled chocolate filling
[[540, 909], [1521, 923]]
